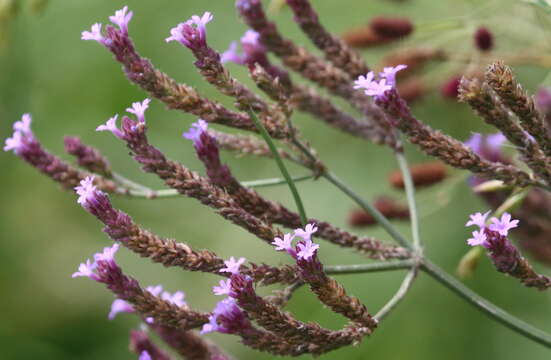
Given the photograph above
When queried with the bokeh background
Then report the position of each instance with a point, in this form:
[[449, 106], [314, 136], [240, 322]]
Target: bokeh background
[[70, 86]]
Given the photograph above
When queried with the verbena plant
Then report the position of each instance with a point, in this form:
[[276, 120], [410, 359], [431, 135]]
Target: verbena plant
[[384, 118]]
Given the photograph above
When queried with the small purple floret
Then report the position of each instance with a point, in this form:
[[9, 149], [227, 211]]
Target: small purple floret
[[378, 88], [284, 244], [503, 225], [307, 249], [139, 108], [144, 356], [479, 238], [233, 265], [111, 125], [119, 306], [121, 19], [478, 219], [223, 289], [307, 232], [191, 33], [195, 131]]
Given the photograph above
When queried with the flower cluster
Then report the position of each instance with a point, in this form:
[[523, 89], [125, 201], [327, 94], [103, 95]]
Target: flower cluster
[[378, 88], [22, 135], [193, 32], [487, 233]]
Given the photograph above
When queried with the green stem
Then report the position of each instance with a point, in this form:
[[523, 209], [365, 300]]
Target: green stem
[[485, 306], [399, 296], [380, 218], [410, 194], [165, 193], [367, 268], [281, 166]]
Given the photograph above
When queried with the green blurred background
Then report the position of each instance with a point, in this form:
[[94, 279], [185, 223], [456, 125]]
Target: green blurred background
[[70, 86]]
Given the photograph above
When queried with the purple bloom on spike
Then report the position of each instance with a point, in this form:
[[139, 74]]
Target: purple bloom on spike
[[86, 269], [108, 254], [121, 19], [111, 125], [177, 298], [14, 143], [223, 289], [232, 265], [86, 191], [479, 238], [195, 131], [478, 219], [503, 225], [364, 82], [307, 249], [155, 290], [306, 234], [144, 356], [487, 146], [139, 108], [191, 33], [389, 73], [24, 125], [232, 55], [211, 326], [95, 34], [250, 37], [119, 306], [284, 244], [226, 318]]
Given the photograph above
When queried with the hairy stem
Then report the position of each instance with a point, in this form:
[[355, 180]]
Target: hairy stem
[[367, 268]]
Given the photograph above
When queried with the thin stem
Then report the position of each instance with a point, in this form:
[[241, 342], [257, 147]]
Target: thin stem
[[165, 193], [381, 219], [485, 306], [399, 296], [410, 194], [127, 183], [367, 268], [281, 166]]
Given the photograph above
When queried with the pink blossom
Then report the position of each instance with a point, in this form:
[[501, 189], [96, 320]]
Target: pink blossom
[[191, 33], [14, 143], [479, 238], [363, 82], [121, 19], [232, 55], [119, 306], [86, 190], [24, 125], [111, 125], [306, 234], [144, 355], [389, 73], [223, 289], [95, 34], [86, 269], [177, 298], [155, 290], [108, 254], [139, 108], [307, 249], [284, 244], [503, 225], [211, 326], [232, 265], [478, 219], [195, 131]]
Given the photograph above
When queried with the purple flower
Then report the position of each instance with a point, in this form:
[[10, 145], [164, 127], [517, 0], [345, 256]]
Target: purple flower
[[121, 19], [139, 108], [487, 146], [284, 244], [479, 238], [232, 265], [191, 33], [211, 326], [108, 254], [307, 249], [306, 234], [155, 290], [389, 73], [86, 191], [177, 298], [119, 306], [230, 316], [250, 37], [111, 125], [22, 135], [86, 269], [144, 354], [195, 131], [378, 88], [232, 55], [95, 34], [478, 219], [503, 225], [223, 289], [24, 125]]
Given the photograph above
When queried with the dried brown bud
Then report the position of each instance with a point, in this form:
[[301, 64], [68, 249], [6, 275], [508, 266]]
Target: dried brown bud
[[424, 174], [391, 27], [483, 39], [363, 37], [412, 89], [387, 206]]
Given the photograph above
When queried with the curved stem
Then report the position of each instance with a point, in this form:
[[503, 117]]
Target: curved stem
[[400, 294], [485, 306], [367, 268], [380, 218], [147, 193], [281, 165], [410, 194]]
